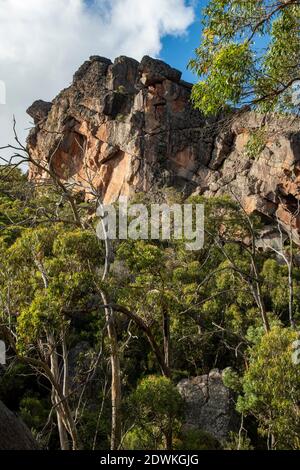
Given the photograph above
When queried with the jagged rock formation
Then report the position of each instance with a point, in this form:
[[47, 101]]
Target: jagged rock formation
[[209, 405], [127, 127], [14, 435]]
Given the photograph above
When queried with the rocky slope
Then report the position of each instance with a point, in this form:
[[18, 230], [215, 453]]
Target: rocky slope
[[127, 127]]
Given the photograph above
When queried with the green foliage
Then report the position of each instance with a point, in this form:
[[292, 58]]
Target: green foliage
[[79, 244], [238, 442], [143, 439], [15, 384], [233, 69], [34, 412], [156, 406], [195, 439], [256, 143], [94, 433], [231, 379], [50, 277], [15, 212], [271, 388], [227, 72]]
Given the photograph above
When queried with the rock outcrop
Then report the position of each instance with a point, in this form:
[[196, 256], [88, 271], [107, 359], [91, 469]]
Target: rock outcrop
[[14, 435], [209, 405], [127, 127]]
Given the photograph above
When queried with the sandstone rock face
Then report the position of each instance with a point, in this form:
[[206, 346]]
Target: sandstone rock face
[[209, 405], [268, 182], [14, 435], [124, 127], [39, 110], [127, 127]]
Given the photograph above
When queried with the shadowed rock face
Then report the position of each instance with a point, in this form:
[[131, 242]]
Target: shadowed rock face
[[14, 435], [127, 127], [209, 405]]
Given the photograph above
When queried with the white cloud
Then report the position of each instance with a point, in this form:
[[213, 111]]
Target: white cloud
[[43, 42]]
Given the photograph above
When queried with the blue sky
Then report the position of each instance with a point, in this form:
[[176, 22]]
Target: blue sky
[[177, 51], [50, 43]]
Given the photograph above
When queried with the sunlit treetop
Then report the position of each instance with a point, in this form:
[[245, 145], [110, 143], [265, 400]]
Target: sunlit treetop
[[249, 55]]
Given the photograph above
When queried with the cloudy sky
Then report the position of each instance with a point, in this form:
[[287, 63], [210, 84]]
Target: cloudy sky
[[43, 42]]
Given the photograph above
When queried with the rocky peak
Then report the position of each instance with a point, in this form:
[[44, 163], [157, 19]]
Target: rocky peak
[[154, 71], [132, 127], [39, 110], [95, 67]]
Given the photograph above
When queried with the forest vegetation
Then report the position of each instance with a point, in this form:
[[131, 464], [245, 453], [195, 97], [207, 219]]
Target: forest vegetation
[[99, 334]]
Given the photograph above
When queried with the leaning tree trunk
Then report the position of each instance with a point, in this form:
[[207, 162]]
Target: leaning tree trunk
[[166, 337], [62, 431], [116, 393], [65, 420]]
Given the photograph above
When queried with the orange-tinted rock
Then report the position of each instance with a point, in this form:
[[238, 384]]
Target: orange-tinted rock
[[126, 127], [121, 124]]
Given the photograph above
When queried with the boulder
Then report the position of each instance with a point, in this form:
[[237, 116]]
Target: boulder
[[209, 405], [14, 434], [39, 110]]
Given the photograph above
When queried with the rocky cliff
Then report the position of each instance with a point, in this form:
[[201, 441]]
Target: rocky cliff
[[127, 127]]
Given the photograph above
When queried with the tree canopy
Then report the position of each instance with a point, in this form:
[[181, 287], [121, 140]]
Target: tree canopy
[[249, 55]]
